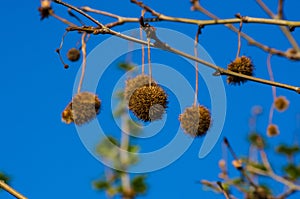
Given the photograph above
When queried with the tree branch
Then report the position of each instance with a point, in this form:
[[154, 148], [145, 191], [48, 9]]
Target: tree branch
[[10, 190], [158, 44], [251, 41]]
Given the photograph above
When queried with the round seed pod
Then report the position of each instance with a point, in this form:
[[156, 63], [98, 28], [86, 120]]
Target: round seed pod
[[148, 103], [272, 130], [195, 121], [83, 108], [73, 54], [281, 103], [241, 65], [134, 83]]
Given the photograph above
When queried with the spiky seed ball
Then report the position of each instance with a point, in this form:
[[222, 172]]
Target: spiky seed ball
[[73, 54], [134, 83], [272, 130], [67, 116], [83, 108], [195, 121], [148, 103], [281, 103], [241, 65]]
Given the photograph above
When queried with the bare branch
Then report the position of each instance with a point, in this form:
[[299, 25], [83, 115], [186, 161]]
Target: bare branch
[[10, 190]]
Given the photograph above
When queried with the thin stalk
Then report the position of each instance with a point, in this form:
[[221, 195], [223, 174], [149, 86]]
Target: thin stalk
[[83, 50]]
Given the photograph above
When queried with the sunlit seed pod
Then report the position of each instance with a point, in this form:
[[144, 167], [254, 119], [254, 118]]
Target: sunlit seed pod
[[272, 130], [134, 83], [73, 54], [238, 164], [67, 116], [45, 4], [242, 65], [281, 103], [195, 121], [148, 103], [84, 107], [222, 164]]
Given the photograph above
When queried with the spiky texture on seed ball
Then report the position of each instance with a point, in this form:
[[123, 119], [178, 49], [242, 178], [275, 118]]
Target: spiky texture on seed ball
[[134, 83], [281, 103], [241, 65], [195, 120], [148, 103], [83, 108], [272, 130], [73, 54]]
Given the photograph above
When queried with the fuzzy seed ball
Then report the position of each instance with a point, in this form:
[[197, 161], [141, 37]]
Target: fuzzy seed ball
[[272, 130], [195, 120], [241, 65], [133, 84], [148, 103], [281, 103], [83, 108], [73, 54]]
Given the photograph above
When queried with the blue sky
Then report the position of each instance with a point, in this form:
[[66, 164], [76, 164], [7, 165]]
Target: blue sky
[[45, 158]]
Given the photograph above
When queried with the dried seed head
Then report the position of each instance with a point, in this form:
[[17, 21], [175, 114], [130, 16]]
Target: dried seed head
[[45, 9], [83, 108], [148, 103], [133, 84], [272, 130], [222, 164], [195, 120], [241, 65], [238, 164], [73, 54], [281, 103]]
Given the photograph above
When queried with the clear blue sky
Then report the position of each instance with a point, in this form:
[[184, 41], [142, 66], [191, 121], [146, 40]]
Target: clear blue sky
[[46, 159]]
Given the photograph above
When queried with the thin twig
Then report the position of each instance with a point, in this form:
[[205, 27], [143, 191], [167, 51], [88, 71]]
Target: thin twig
[[10, 190], [62, 19], [286, 194], [280, 9], [251, 41], [271, 173], [80, 12], [226, 195], [285, 30]]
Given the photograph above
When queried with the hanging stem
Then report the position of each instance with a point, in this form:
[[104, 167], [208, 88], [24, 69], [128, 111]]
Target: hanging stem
[[196, 65], [143, 48], [149, 62], [273, 87], [83, 50], [143, 52], [239, 40]]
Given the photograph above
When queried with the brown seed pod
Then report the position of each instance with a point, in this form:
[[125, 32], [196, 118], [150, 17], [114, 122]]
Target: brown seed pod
[[148, 103], [133, 84], [73, 54], [241, 65], [281, 103], [83, 108], [272, 130], [195, 121]]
